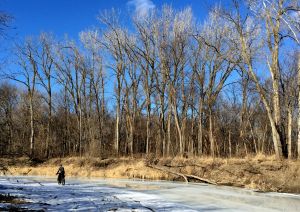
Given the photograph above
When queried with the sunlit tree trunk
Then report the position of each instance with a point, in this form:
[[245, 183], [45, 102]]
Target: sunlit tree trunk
[[298, 120]]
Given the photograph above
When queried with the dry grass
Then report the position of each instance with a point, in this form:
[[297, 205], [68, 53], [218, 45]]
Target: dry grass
[[262, 173], [259, 172], [88, 167]]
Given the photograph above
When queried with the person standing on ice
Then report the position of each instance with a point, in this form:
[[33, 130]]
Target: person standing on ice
[[61, 175]]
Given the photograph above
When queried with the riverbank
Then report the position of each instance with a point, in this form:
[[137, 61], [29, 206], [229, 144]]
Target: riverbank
[[258, 173]]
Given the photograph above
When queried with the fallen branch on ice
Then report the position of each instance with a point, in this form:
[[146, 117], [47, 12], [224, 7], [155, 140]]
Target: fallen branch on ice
[[169, 171], [186, 177]]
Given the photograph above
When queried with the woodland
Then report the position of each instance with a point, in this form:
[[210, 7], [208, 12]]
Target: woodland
[[165, 85]]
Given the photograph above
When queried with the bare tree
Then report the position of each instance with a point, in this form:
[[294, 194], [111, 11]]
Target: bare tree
[[69, 65], [91, 42], [161, 77], [145, 53], [220, 60], [113, 41], [272, 12], [27, 75], [45, 75]]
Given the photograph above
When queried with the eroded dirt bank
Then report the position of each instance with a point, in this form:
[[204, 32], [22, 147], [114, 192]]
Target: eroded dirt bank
[[262, 174]]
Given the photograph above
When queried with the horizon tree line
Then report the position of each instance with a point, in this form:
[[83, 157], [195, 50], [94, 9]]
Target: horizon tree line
[[167, 86]]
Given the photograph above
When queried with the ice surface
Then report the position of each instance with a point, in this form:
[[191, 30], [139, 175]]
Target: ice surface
[[129, 195]]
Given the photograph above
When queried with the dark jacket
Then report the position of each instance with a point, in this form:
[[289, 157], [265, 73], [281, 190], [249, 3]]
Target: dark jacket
[[61, 171]]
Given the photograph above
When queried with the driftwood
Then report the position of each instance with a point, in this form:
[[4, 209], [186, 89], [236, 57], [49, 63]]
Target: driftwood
[[169, 171], [186, 177], [26, 173], [180, 166], [200, 179], [173, 166]]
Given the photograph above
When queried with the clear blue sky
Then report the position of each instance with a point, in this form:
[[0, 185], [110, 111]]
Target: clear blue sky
[[72, 16]]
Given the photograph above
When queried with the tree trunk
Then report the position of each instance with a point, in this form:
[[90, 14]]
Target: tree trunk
[[289, 132], [229, 144], [31, 126], [102, 111], [169, 131], [275, 131], [148, 125], [80, 132], [200, 129], [298, 121], [162, 127], [211, 136], [178, 130], [117, 129], [192, 136], [49, 127], [48, 140], [244, 107]]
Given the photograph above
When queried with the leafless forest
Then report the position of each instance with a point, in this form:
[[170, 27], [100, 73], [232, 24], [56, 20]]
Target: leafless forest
[[168, 85]]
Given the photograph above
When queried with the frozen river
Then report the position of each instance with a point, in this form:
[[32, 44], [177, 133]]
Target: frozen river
[[129, 195]]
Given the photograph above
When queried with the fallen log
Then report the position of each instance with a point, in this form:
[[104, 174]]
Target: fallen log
[[169, 171], [201, 179], [184, 176], [180, 166]]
